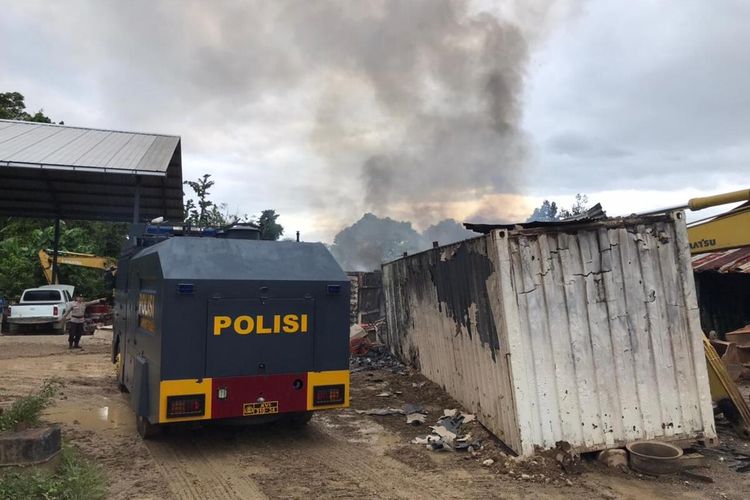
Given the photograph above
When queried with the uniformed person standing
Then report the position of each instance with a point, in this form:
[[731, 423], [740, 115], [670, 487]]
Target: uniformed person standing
[[76, 318]]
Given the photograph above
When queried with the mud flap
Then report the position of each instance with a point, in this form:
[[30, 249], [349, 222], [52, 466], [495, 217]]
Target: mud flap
[[139, 397]]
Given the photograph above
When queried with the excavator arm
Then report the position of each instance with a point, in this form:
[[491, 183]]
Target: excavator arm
[[72, 259], [723, 232]]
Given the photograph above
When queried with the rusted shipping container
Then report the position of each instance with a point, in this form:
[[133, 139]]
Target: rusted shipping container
[[585, 333]]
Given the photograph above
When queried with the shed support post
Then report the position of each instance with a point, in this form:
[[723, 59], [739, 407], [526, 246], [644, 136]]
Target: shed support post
[[55, 248], [137, 200]]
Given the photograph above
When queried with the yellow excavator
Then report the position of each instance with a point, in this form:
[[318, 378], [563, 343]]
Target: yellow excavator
[[74, 259], [726, 231]]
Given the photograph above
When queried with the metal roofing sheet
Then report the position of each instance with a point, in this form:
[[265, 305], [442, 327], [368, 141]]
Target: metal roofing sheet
[[728, 261], [44, 144], [593, 214], [79, 173]]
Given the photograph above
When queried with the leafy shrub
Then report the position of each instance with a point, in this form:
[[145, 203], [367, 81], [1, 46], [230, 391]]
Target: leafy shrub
[[25, 412], [75, 479]]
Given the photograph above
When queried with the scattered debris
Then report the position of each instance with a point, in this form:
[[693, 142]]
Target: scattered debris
[[615, 457], [729, 449], [414, 408], [415, 414], [381, 412], [446, 433], [376, 357], [488, 462], [418, 385], [384, 395], [416, 418], [569, 459]]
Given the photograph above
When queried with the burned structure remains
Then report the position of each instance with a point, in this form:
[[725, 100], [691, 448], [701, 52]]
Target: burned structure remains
[[585, 332]]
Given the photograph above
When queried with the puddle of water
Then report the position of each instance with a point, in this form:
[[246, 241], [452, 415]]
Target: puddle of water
[[112, 415]]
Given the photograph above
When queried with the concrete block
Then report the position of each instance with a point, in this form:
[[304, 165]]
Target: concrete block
[[613, 458], [30, 446]]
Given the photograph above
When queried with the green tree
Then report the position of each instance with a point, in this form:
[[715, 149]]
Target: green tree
[[13, 107], [551, 211], [204, 212], [579, 207], [269, 228]]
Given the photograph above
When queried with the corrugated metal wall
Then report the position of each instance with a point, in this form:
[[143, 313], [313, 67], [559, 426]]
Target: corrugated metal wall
[[587, 335]]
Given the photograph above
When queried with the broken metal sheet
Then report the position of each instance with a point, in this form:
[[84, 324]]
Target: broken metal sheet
[[444, 433], [415, 418]]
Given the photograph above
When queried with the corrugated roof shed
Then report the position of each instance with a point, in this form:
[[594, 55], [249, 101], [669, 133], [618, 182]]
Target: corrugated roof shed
[[728, 261], [51, 170]]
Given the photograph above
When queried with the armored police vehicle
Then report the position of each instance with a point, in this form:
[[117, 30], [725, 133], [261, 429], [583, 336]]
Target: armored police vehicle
[[221, 325]]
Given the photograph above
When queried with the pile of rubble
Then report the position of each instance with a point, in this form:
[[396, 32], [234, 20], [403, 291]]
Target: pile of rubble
[[378, 357], [366, 353], [447, 433]]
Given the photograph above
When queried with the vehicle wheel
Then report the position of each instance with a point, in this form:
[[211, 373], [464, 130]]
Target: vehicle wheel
[[146, 429], [13, 328], [300, 419]]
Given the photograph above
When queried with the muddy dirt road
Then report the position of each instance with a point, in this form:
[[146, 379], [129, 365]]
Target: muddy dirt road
[[340, 454]]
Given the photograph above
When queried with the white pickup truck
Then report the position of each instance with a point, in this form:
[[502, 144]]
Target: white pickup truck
[[42, 307]]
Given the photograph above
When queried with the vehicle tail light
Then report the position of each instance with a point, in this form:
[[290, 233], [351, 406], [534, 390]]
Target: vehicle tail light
[[193, 405], [324, 395], [55, 310]]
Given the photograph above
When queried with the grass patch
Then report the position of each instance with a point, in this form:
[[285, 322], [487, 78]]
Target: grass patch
[[26, 412], [75, 479]]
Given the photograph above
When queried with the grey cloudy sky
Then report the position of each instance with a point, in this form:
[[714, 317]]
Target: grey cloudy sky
[[418, 109]]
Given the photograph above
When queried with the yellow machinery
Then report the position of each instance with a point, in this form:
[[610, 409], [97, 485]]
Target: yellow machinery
[[725, 231], [721, 232], [73, 259]]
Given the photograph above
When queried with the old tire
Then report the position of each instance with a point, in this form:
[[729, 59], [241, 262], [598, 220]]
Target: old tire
[[146, 429]]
